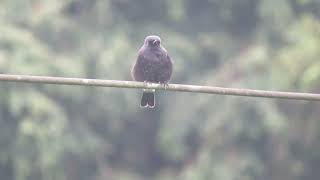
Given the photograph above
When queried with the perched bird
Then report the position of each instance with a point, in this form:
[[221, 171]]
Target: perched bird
[[152, 65]]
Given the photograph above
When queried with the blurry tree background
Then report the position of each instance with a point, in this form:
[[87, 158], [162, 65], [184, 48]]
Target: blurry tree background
[[88, 133]]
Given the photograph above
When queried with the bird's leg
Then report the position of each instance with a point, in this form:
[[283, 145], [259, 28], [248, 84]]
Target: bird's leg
[[165, 85]]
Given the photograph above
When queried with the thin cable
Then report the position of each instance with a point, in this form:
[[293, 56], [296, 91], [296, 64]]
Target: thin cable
[[170, 87]]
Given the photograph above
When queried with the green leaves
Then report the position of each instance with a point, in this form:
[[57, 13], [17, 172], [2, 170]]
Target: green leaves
[[70, 132]]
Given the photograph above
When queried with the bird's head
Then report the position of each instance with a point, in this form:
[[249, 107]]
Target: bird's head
[[152, 41]]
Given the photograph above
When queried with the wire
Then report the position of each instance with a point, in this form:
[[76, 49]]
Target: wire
[[169, 87]]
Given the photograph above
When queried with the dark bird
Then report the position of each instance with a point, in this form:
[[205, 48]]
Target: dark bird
[[152, 65]]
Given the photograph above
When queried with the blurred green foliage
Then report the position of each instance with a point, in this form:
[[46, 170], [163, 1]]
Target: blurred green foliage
[[81, 133]]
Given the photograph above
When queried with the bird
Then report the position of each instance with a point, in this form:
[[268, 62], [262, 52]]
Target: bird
[[153, 65]]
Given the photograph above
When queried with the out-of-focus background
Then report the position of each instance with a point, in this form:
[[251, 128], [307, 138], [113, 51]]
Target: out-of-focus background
[[92, 133]]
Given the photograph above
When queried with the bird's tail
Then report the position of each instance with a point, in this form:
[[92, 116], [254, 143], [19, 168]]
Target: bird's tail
[[148, 99]]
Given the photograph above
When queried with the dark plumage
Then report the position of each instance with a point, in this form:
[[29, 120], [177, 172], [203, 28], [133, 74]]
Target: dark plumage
[[153, 65]]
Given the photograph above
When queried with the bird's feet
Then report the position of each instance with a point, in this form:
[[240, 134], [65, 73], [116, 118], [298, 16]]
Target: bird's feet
[[165, 85]]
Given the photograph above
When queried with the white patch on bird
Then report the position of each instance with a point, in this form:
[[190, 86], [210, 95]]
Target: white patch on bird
[[149, 90]]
